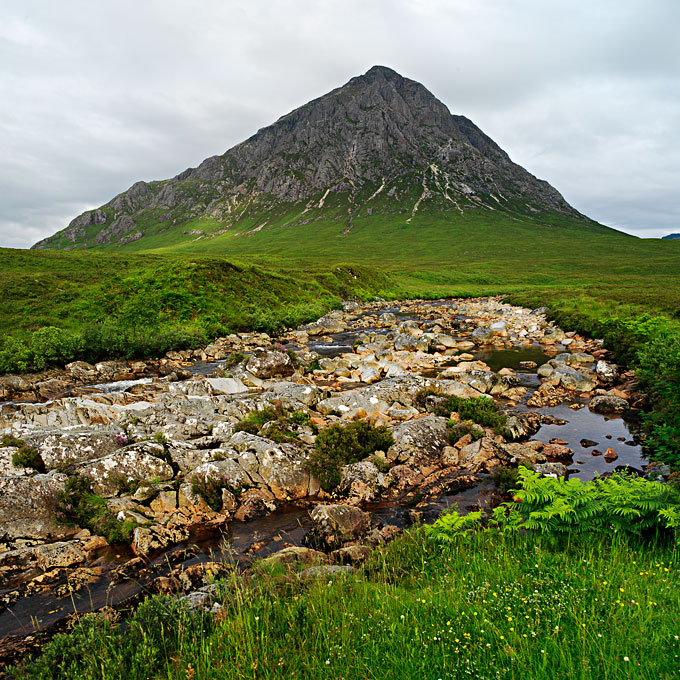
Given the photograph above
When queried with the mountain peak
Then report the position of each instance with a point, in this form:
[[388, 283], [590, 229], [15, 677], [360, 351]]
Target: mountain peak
[[378, 71], [380, 144]]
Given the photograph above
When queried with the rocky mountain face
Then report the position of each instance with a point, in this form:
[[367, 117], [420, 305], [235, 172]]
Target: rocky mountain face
[[379, 144]]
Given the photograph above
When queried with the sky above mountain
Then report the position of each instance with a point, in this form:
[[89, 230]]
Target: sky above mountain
[[96, 96]]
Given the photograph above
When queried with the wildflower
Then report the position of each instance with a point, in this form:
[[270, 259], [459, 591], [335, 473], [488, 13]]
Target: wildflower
[[625, 658]]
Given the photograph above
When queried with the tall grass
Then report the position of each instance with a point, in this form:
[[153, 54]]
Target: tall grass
[[488, 605]]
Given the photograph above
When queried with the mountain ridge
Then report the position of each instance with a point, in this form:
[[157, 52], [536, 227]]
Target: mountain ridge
[[378, 140]]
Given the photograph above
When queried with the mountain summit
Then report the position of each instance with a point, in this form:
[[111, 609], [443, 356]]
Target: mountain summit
[[379, 145]]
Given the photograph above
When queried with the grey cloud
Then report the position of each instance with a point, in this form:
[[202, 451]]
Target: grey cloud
[[99, 95]]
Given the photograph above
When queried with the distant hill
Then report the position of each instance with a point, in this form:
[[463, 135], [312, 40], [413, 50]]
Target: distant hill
[[670, 236], [379, 149]]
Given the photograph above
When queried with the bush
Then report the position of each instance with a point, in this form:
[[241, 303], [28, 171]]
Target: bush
[[78, 505], [339, 445], [210, 491], [25, 456], [480, 410], [275, 422], [454, 431]]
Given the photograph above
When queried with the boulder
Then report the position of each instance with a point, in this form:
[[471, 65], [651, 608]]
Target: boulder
[[226, 386], [484, 454], [147, 540], [296, 555], [134, 463], [551, 469], [282, 468], [411, 343], [27, 506], [606, 371], [326, 571], [70, 447], [607, 403], [270, 363], [574, 380], [361, 480], [58, 555], [421, 439], [334, 525], [482, 334]]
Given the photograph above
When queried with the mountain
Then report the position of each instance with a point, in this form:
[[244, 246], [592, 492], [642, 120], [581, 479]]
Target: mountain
[[381, 146], [671, 236]]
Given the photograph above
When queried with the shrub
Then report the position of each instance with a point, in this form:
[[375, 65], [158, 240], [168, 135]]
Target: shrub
[[209, 490], [454, 431], [78, 505], [339, 445], [275, 422], [25, 456], [480, 410]]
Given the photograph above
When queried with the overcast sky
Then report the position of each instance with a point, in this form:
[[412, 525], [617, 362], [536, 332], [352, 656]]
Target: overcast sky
[[95, 95]]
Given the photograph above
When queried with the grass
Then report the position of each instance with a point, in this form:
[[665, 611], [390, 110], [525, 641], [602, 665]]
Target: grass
[[487, 606]]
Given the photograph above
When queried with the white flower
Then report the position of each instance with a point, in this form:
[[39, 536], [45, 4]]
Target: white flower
[[625, 658]]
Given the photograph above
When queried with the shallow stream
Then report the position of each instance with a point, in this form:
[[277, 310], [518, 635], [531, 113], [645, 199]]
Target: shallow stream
[[288, 525]]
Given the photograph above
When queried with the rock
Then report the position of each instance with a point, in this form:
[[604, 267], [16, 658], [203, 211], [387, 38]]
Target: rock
[[199, 575], [292, 394], [270, 363], [254, 503], [133, 463], [351, 554], [418, 440], [226, 386], [27, 508], [387, 533], [482, 334], [334, 525], [574, 380], [360, 480], [15, 383], [147, 540], [52, 388], [58, 555], [405, 341], [326, 571], [557, 451], [7, 467], [657, 472], [187, 498], [484, 454], [164, 503], [281, 467], [606, 403], [296, 555], [199, 599], [610, 455], [82, 371], [551, 469], [519, 454], [606, 371], [545, 370], [60, 448]]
